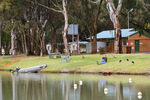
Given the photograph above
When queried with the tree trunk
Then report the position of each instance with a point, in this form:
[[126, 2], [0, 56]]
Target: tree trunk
[[66, 45], [0, 36], [32, 43], [119, 91], [42, 45], [92, 27], [94, 49], [37, 47], [91, 43], [114, 13], [12, 42], [43, 38], [64, 33], [91, 40], [52, 45], [118, 38], [43, 41], [6, 48], [26, 48], [52, 40], [94, 45], [29, 45], [41, 52], [23, 44]]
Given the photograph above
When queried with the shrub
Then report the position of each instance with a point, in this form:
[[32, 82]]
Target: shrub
[[101, 50]]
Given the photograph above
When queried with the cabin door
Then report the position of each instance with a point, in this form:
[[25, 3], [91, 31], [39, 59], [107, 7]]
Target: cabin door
[[137, 45]]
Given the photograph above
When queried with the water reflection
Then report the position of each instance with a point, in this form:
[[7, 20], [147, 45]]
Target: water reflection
[[29, 86], [34, 86], [1, 95], [139, 95]]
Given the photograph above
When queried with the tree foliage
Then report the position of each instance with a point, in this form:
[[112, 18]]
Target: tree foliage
[[36, 25]]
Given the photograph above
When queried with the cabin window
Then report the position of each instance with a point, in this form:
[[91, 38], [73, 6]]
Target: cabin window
[[124, 43]]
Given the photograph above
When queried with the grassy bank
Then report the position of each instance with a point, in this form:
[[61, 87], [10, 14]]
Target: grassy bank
[[141, 63]]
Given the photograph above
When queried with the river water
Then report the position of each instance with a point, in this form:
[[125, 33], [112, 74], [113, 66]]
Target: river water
[[34, 86]]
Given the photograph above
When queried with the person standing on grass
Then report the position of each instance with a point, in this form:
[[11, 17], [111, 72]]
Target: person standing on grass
[[103, 60]]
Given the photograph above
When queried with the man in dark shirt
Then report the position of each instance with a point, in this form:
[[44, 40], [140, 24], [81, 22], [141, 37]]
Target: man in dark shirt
[[103, 60]]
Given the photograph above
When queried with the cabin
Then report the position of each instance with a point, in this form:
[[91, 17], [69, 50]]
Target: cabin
[[137, 42], [84, 47]]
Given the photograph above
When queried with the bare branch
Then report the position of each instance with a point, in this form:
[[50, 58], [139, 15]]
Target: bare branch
[[94, 1], [53, 3], [98, 12], [34, 40], [90, 33], [113, 6], [119, 7], [44, 23], [37, 32], [66, 2], [60, 11], [56, 5], [110, 9], [56, 1]]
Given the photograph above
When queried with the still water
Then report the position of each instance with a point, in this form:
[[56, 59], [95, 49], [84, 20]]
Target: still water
[[34, 86]]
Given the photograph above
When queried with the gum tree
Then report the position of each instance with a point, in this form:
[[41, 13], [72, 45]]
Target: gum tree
[[5, 5], [114, 16], [92, 22], [60, 9]]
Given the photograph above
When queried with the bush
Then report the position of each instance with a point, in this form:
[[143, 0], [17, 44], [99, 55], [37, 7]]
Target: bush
[[101, 50]]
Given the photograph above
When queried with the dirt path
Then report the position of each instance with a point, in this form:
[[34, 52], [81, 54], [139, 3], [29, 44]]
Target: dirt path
[[9, 64], [2, 62]]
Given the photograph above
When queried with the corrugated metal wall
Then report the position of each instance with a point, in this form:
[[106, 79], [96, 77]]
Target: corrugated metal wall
[[99, 44]]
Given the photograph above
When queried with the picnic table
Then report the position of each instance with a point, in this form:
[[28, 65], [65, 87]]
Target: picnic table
[[65, 59], [54, 55]]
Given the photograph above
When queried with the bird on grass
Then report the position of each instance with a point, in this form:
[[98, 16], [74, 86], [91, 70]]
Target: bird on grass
[[97, 62], [120, 60], [83, 57], [132, 62], [127, 59], [113, 56]]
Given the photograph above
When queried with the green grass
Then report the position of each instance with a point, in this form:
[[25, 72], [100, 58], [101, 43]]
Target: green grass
[[78, 64]]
